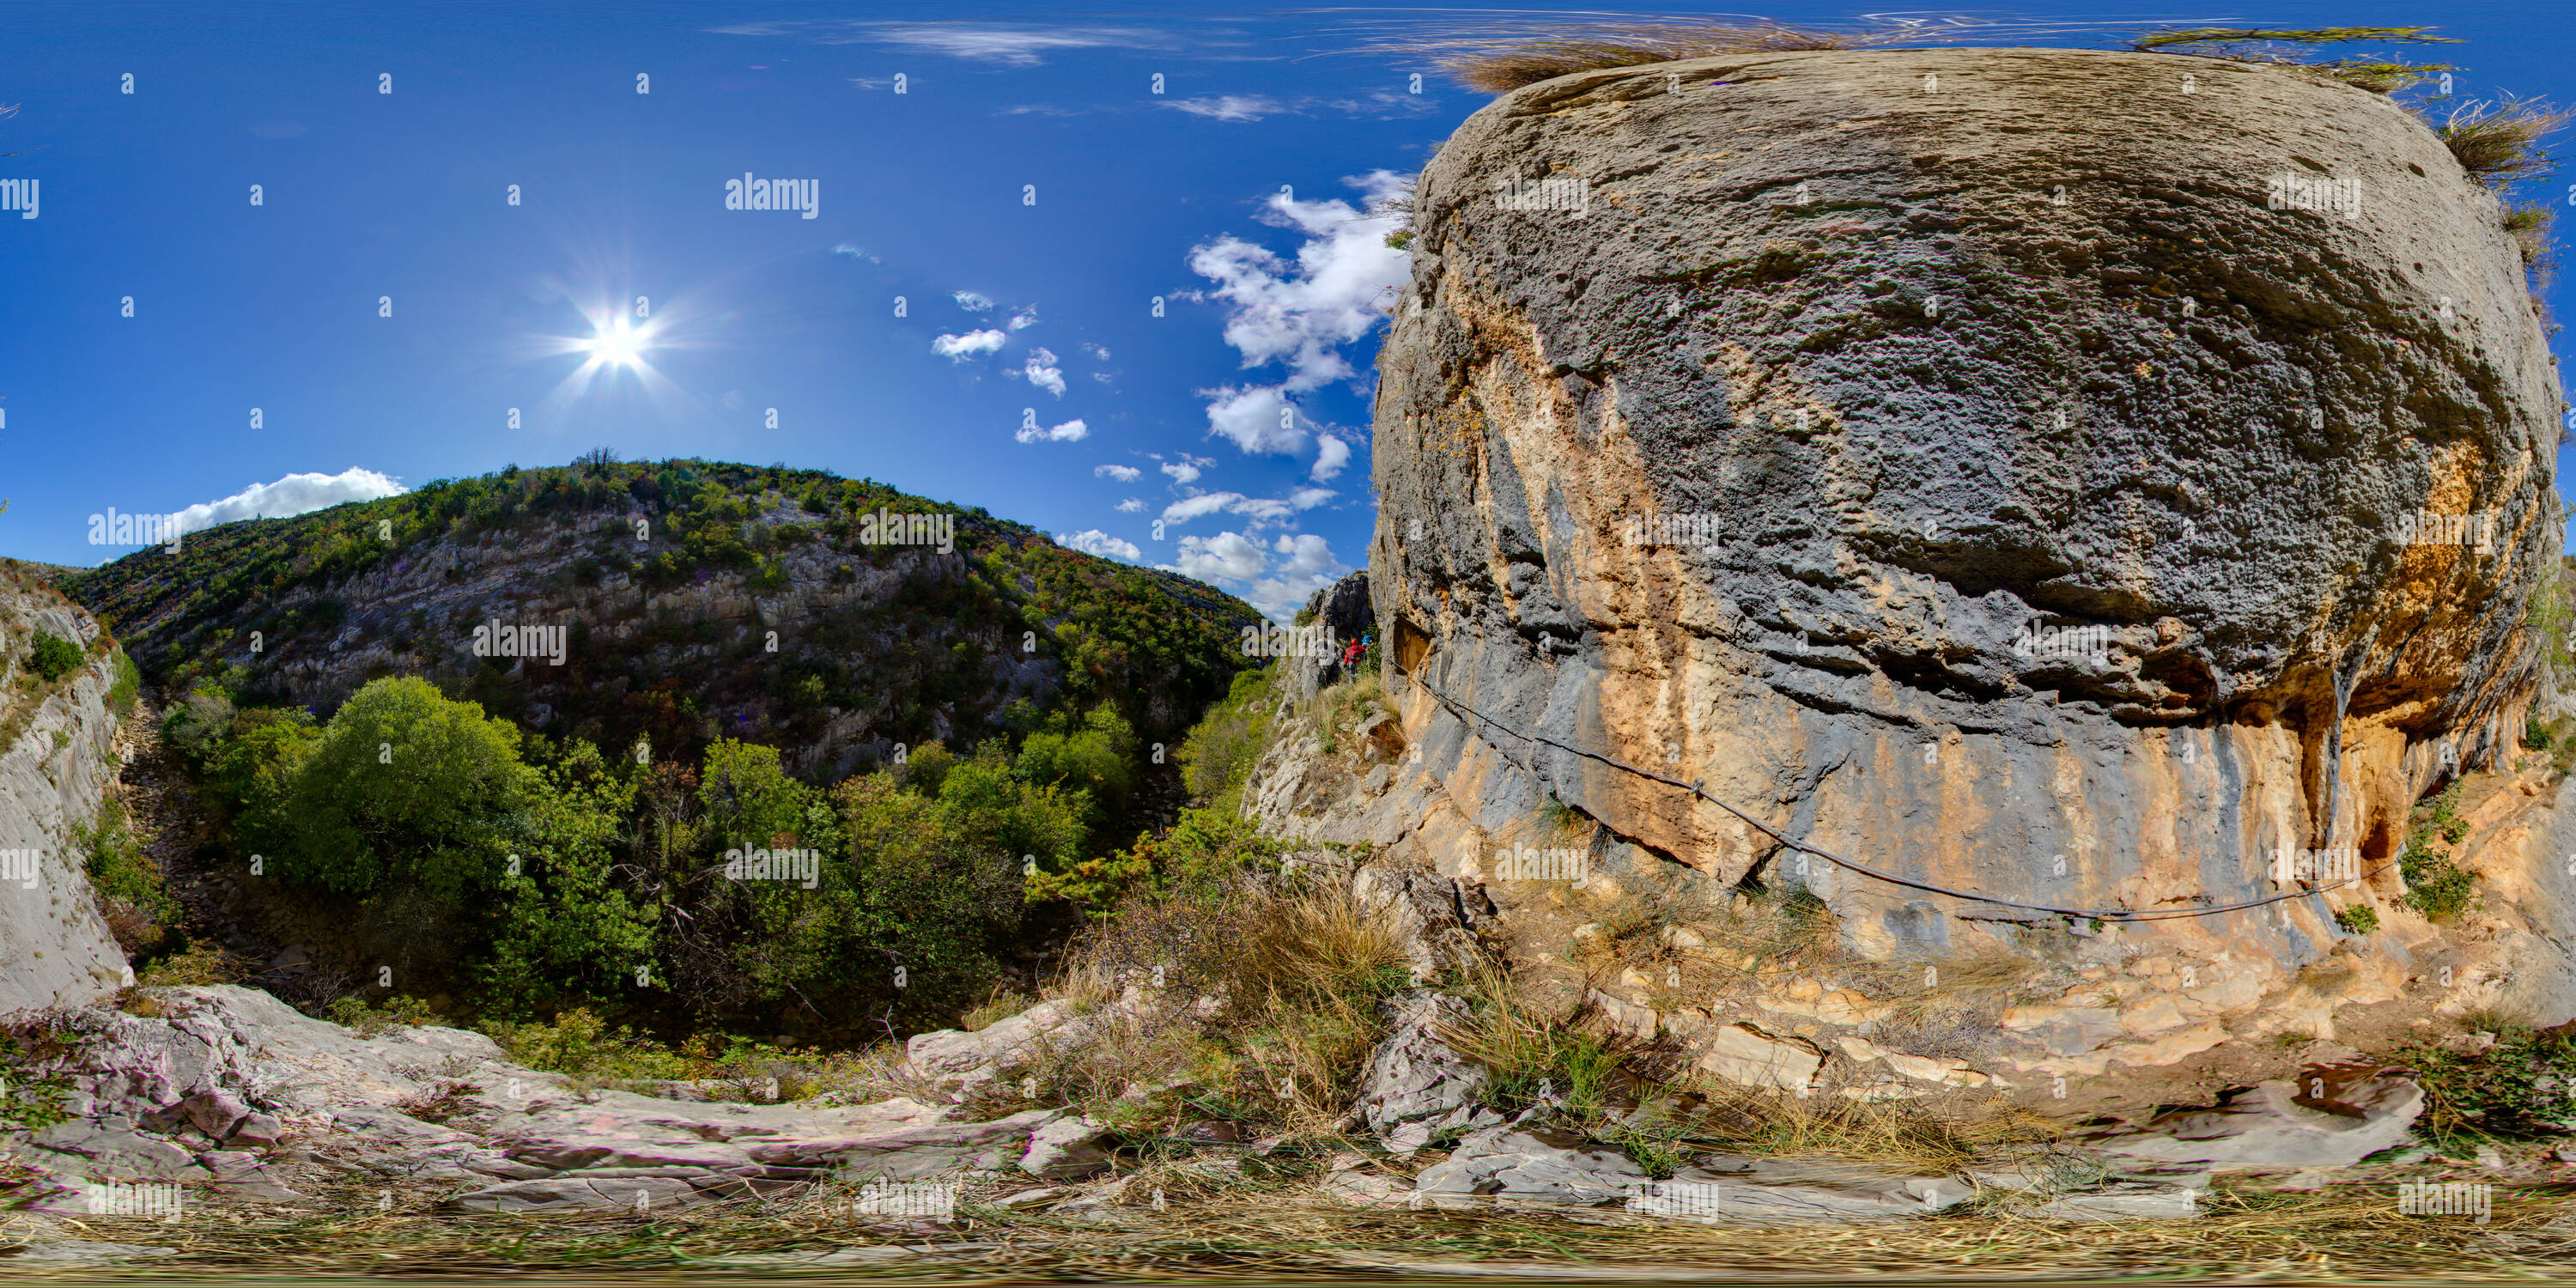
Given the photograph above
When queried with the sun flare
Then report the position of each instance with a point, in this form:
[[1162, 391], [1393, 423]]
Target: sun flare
[[620, 345]]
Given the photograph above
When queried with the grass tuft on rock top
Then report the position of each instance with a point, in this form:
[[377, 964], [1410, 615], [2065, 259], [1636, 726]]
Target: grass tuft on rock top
[[2498, 140], [2294, 46], [1501, 64]]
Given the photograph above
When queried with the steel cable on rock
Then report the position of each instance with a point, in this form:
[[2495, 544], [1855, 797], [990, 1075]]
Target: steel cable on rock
[[1695, 789]]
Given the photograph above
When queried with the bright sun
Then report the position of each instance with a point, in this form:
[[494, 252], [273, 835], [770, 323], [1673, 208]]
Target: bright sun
[[622, 346]]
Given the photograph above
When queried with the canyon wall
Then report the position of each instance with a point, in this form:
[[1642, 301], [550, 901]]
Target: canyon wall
[[2070, 477], [54, 770]]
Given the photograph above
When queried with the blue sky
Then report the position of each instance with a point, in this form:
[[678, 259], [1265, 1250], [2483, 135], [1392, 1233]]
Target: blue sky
[[1027, 195]]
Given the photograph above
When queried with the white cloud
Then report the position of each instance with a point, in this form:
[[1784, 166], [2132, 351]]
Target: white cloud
[[1184, 471], [1007, 46], [293, 495], [1256, 420], [1261, 510], [1132, 505], [1095, 351], [1229, 556], [1301, 313], [1122, 473], [1072, 431], [1310, 567], [1308, 555], [1383, 104], [852, 252], [1182, 511], [1331, 454], [1240, 565], [1230, 107], [1025, 318], [973, 302], [958, 348], [1093, 541], [1043, 372]]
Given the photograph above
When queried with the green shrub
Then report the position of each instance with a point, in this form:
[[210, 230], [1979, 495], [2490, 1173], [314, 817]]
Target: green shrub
[[352, 1012], [2517, 1089], [117, 866], [128, 686], [32, 1092], [2435, 886], [406, 791], [579, 1043], [198, 964], [54, 657], [1219, 753], [2359, 919], [204, 715], [566, 930]]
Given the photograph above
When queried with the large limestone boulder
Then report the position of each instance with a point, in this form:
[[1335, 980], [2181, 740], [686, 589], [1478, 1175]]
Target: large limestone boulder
[[2108, 479]]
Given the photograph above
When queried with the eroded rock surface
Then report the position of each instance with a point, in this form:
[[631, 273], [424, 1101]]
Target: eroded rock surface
[[2073, 552], [1417, 1087], [229, 1087], [54, 771], [2332, 1122]]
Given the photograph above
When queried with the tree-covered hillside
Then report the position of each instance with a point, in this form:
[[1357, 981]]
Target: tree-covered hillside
[[698, 599]]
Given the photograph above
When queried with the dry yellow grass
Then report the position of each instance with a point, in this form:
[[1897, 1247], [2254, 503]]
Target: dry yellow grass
[[1262, 999], [1501, 64], [1214, 1229]]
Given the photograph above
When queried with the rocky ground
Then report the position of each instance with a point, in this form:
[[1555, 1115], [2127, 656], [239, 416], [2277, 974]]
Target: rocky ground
[[265, 1118]]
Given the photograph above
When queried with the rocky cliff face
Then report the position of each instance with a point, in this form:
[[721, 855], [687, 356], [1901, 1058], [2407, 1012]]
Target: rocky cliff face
[[2072, 506], [55, 768]]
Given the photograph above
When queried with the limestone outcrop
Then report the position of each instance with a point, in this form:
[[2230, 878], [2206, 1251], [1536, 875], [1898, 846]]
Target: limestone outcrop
[[228, 1088], [54, 771], [2075, 507]]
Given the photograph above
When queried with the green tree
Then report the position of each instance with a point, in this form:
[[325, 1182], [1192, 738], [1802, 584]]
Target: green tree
[[406, 791], [567, 931], [752, 802], [984, 805], [251, 769], [1094, 754], [939, 885]]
